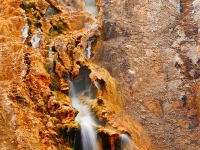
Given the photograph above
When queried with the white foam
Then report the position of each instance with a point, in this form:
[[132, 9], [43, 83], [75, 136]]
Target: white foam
[[126, 143], [35, 40], [24, 31], [88, 134], [89, 48]]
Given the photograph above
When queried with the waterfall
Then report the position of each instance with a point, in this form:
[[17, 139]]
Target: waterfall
[[89, 47], [81, 93], [90, 6], [126, 143]]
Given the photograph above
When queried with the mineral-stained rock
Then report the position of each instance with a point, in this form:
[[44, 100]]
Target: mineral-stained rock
[[77, 20], [114, 137], [46, 26], [68, 5], [67, 113], [64, 49], [59, 69], [151, 48], [41, 5]]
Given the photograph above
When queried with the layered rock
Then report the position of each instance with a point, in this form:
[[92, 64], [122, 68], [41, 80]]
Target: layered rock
[[42, 47]]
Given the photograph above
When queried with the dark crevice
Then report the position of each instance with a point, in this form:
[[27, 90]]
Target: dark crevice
[[27, 62], [51, 11]]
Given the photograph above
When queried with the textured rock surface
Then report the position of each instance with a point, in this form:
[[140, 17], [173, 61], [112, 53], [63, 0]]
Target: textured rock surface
[[151, 47], [42, 46]]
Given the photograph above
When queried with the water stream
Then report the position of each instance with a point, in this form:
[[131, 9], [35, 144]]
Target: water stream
[[82, 92], [89, 47], [126, 143], [90, 6]]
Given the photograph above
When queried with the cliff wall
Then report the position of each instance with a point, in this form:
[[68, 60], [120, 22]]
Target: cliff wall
[[151, 47]]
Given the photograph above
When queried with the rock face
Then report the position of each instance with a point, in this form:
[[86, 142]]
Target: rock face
[[150, 47], [42, 47]]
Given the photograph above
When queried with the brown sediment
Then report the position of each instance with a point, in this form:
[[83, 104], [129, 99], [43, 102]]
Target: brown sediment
[[35, 104]]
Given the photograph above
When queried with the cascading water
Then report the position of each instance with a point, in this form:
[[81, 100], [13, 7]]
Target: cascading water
[[89, 47], [81, 93], [126, 143], [90, 6]]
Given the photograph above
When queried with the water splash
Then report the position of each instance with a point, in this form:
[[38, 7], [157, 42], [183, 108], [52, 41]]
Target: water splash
[[35, 40], [24, 31], [81, 94], [126, 143]]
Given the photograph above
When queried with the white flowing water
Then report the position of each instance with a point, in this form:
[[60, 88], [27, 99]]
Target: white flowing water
[[126, 143], [88, 134], [90, 7], [35, 40], [89, 47]]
